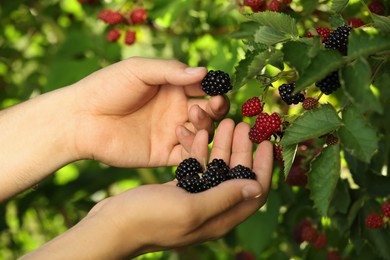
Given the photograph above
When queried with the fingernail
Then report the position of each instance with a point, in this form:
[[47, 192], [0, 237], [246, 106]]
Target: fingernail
[[251, 192], [194, 70]]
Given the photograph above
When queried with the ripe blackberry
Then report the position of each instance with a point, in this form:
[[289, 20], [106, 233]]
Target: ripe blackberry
[[252, 107], [216, 172], [216, 83], [386, 209], [309, 103], [374, 221], [193, 184], [218, 163], [188, 167], [331, 139], [285, 92], [110, 17], [241, 172], [330, 83], [338, 39]]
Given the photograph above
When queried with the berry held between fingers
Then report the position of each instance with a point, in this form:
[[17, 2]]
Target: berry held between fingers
[[216, 83]]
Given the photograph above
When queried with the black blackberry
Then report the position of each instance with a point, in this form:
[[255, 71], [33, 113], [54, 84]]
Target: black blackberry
[[216, 172], [338, 39], [193, 184], [285, 92], [241, 172], [188, 167], [330, 83], [216, 83]]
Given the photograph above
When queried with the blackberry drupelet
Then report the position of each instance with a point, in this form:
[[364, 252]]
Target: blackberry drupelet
[[241, 172], [216, 83], [286, 93], [188, 167]]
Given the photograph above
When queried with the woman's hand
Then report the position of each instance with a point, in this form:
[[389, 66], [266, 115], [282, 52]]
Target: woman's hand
[[158, 217], [128, 114]]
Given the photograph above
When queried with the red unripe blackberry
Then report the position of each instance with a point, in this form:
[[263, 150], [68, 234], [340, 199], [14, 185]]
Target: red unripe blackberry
[[245, 255], [297, 232], [376, 7], [309, 103], [278, 152], [297, 176], [252, 107], [274, 6], [355, 22], [333, 255], [324, 32], [309, 234], [374, 221], [286, 93], [330, 83], [130, 37], [338, 39], [256, 5], [320, 241], [110, 16], [188, 167], [216, 83], [193, 184], [386, 209], [113, 35], [287, 2], [259, 133], [138, 15], [241, 172]]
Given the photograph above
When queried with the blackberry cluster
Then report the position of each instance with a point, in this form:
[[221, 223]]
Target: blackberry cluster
[[193, 179], [337, 40], [216, 83], [286, 93]]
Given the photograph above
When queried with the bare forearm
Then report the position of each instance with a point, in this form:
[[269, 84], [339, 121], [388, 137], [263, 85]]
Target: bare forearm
[[34, 139]]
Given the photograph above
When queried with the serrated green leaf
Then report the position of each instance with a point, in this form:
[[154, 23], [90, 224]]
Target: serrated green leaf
[[296, 55], [381, 22], [246, 30], [337, 6], [325, 62], [253, 64], [323, 177], [313, 123], [336, 20], [278, 21], [356, 80], [362, 43], [288, 153], [270, 36], [358, 138]]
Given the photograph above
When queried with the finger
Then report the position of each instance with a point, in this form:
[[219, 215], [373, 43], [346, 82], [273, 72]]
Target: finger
[[225, 196], [185, 138], [199, 149], [200, 119], [163, 71], [223, 141], [242, 146], [216, 106], [263, 164]]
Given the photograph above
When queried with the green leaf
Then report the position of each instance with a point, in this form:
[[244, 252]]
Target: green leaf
[[288, 153], [270, 36], [323, 177], [336, 20], [358, 138], [257, 231], [246, 30], [253, 64], [356, 80], [381, 22], [278, 21], [338, 5], [325, 62], [342, 199], [296, 54], [313, 123], [364, 43]]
